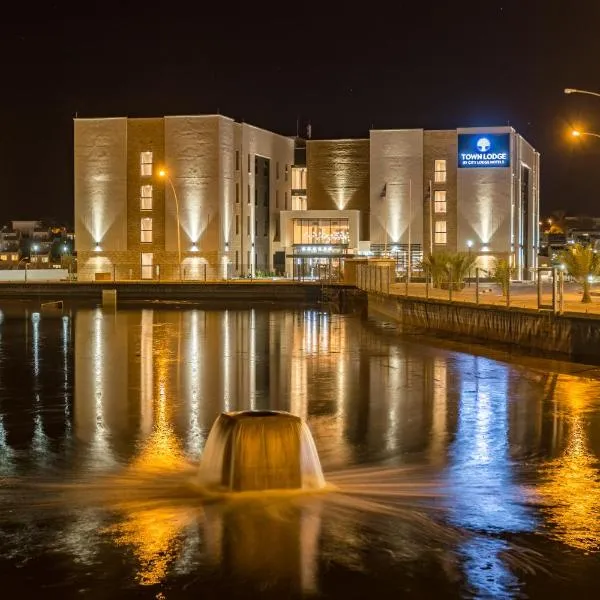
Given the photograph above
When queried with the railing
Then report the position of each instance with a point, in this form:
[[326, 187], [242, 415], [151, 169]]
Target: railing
[[550, 289], [205, 272]]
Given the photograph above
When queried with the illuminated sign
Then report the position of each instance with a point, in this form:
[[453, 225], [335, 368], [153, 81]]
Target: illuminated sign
[[483, 150]]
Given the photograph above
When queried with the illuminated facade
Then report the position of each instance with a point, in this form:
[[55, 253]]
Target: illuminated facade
[[253, 201], [467, 190], [229, 182]]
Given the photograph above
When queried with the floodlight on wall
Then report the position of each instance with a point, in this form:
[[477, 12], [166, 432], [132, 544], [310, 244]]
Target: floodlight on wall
[[194, 248], [97, 248]]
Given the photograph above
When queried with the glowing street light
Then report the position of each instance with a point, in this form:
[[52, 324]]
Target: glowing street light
[[163, 174], [577, 133], [576, 91]]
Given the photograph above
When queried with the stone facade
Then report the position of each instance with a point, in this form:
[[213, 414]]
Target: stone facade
[[439, 145], [338, 177]]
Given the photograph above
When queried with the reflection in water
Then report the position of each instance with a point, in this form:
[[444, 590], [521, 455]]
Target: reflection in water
[[484, 495], [571, 490], [150, 383]]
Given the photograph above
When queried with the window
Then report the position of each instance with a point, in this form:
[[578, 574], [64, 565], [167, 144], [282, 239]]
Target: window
[[286, 206], [249, 164], [440, 171], [277, 229], [237, 224], [146, 197], [256, 227], [248, 225], [277, 170], [249, 193], [146, 164], [255, 196], [147, 261], [266, 232], [237, 260], [440, 232], [286, 172], [4, 257], [237, 193], [237, 160], [439, 201], [146, 230], [298, 178], [276, 198]]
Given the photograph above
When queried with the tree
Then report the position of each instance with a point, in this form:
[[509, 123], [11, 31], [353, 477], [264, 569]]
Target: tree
[[502, 274], [446, 266], [582, 263], [436, 264]]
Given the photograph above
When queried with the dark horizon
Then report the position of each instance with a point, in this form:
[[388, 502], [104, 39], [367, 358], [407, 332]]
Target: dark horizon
[[439, 67]]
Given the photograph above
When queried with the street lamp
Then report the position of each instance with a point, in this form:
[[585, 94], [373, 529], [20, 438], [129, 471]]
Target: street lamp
[[576, 91], [577, 133], [162, 173], [469, 246]]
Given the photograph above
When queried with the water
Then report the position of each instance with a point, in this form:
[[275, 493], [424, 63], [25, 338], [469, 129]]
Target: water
[[452, 471]]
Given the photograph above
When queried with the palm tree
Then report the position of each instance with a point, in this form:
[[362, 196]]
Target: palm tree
[[581, 262], [444, 266], [437, 265], [502, 274]]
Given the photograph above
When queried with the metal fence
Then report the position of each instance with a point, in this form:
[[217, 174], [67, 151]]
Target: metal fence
[[550, 289]]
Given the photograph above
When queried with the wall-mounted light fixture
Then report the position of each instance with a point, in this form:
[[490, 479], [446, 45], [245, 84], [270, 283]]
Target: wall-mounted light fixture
[[194, 248], [97, 248]]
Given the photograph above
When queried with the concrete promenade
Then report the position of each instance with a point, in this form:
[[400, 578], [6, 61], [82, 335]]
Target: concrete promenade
[[522, 296]]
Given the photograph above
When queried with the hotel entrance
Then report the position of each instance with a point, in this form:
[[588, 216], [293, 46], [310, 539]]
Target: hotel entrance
[[318, 268]]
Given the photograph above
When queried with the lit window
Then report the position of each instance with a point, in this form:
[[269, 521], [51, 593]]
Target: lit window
[[440, 232], [146, 164], [298, 178], [439, 201], [146, 197], [147, 262], [146, 230], [44, 259], [440, 171], [4, 257]]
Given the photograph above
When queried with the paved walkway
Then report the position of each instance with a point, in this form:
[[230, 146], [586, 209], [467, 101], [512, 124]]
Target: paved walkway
[[521, 296]]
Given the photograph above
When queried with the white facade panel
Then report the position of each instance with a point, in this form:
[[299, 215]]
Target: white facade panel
[[192, 155], [100, 172], [396, 186]]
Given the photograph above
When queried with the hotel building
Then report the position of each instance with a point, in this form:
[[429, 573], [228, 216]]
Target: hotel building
[[250, 200]]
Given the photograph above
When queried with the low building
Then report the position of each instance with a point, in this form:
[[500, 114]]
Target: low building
[[239, 199], [213, 217]]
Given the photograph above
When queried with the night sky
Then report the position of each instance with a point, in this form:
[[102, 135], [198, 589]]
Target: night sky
[[419, 64]]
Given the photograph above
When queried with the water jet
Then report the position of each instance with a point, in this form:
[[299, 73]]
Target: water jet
[[260, 450]]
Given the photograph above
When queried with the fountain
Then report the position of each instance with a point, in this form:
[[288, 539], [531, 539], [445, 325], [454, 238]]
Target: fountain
[[260, 450]]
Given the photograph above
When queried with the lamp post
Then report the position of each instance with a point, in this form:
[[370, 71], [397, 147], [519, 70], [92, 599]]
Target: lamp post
[[577, 133], [469, 246], [576, 91], [162, 173]]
